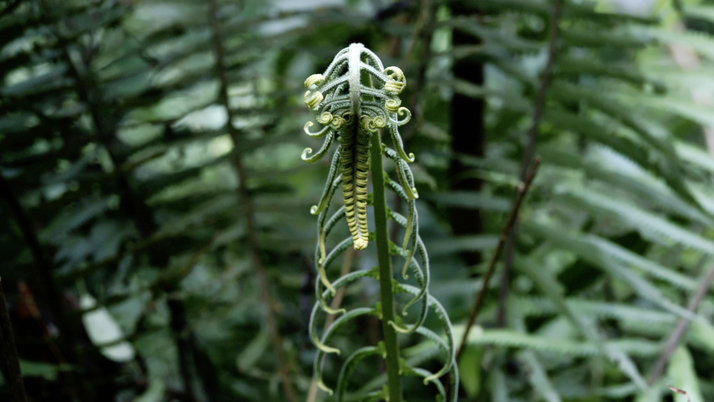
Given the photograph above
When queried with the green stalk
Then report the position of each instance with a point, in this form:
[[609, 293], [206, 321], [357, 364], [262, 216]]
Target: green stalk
[[394, 381]]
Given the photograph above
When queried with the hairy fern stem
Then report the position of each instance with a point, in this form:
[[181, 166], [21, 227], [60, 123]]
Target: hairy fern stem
[[394, 381], [352, 111]]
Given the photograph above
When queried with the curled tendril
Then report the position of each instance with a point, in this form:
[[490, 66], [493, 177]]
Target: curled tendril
[[402, 111], [327, 193], [338, 122], [347, 119], [449, 346], [397, 81], [404, 175], [313, 98], [318, 134], [371, 124], [365, 122], [351, 364], [379, 121], [409, 240], [399, 145], [325, 118], [392, 105], [323, 150], [315, 79], [334, 121]]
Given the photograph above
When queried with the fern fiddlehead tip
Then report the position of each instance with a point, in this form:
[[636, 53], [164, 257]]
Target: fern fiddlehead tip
[[351, 113], [360, 244], [315, 79], [396, 82]]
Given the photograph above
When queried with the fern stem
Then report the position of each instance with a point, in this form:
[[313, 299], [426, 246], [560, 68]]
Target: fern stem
[[385, 271]]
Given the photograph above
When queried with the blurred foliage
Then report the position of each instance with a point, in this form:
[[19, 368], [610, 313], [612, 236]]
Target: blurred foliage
[[156, 235]]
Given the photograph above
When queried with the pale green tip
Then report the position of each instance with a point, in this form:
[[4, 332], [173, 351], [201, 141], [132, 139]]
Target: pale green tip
[[399, 329], [330, 310], [324, 387], [326, 349], [305, 152], [360, 244]]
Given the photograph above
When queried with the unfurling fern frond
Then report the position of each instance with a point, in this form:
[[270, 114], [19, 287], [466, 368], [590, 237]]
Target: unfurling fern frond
[[338, 97], [354, 98]]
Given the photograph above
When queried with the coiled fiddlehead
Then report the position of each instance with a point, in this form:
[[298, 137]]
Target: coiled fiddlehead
[[352, 114]]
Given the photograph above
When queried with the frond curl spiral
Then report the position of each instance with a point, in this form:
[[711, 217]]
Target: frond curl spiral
[[351, 112]]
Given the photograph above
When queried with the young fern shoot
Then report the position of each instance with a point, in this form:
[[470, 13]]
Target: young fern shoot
[[352, 110]]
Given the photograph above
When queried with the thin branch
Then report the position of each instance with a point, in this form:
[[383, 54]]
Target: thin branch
[[522, 190], [681, 329], [540, 96], [679, 391], [247, 209], [530, 150], [10, 352]]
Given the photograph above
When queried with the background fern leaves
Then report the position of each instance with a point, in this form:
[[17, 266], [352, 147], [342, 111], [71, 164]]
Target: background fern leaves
[[150, 161]]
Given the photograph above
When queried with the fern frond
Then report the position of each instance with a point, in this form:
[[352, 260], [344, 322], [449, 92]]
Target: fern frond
[[509, 338], [650, 225], [589, 252], [550, 287], [538, 377], [700, 42]]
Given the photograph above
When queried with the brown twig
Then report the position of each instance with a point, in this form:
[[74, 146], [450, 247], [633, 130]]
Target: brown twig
[[681, 329], [530, 151], [10, 352], [679, 391], [520, 195]]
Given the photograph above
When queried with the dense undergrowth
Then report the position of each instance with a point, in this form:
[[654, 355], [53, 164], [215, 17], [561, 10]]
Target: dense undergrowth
[[156, 238]]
